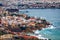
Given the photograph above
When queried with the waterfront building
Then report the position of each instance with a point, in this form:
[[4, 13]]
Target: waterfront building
[[9, 2], [23, 4]]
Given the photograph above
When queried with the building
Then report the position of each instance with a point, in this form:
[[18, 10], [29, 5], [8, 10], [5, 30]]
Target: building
[[27, 1], [34, 1]]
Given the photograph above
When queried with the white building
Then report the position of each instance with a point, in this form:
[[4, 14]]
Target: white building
[[27, 1], [35, 1]]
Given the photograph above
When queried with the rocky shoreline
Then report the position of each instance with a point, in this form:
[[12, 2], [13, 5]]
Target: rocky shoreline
[[20, 24]]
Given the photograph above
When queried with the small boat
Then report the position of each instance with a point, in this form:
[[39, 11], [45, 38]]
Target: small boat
[[23, 11], [12, 10], [1, 4]]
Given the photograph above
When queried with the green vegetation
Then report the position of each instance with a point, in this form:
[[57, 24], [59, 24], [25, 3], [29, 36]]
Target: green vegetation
[[1, 33]]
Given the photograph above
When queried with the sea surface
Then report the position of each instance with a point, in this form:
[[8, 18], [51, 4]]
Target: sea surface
[[51, 15]]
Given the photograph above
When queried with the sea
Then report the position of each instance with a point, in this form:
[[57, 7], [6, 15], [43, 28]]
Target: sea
[[51, 15]]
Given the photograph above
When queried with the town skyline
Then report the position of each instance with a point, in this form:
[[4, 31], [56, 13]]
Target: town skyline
[[29, 1]]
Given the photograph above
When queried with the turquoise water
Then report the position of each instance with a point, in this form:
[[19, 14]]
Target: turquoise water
[[53, 16]]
